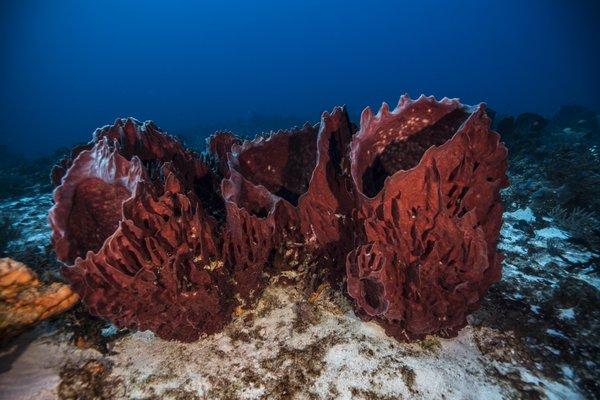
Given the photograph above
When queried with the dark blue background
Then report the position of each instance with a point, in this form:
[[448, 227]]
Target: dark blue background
[[70, 66]]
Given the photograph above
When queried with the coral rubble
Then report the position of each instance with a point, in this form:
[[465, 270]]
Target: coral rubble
[[24, 300], [406, 210]]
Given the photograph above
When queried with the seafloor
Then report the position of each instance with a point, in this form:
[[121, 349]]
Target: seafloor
[[535, 336]]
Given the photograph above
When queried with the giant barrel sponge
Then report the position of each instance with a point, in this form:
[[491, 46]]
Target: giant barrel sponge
[[403, 212], [427, 177]]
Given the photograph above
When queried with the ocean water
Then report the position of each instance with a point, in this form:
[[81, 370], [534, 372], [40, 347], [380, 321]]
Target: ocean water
[[72, 66], [252, 68]]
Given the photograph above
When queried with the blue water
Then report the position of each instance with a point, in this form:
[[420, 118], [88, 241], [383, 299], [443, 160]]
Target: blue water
[[70, 66]]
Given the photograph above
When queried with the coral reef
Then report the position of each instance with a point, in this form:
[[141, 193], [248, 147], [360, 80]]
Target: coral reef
[[407, 210], [24, 300]]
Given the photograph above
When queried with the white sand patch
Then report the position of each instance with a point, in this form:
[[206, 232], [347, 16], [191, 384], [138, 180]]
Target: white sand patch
[[339, 356], [523, 214], [567, 313], [551, 233]]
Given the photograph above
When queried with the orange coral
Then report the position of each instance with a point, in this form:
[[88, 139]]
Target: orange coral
[[25, 300]]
